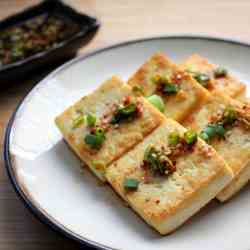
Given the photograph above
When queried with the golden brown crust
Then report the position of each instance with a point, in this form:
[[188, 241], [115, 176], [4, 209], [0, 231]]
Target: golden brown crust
[[213, 104], [229, 84], [118, 140], [238, 182], [191, 94], [235, 148], [162, 199]]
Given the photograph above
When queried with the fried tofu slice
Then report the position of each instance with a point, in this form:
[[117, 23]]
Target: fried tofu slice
[[236, 184], [228, 84], [234, 143], [183, 94], [166, 201], [107, 140]]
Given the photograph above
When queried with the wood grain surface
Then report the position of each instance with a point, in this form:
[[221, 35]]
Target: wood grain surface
[[121, 20]]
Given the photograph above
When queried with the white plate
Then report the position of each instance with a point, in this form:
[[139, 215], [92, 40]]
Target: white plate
[[48, 176]]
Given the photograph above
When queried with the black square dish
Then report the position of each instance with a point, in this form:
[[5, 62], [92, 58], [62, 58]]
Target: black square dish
[[60, 51]]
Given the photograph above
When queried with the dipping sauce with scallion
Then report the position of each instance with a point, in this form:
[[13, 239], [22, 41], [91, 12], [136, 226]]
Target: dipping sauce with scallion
[[33, 36]]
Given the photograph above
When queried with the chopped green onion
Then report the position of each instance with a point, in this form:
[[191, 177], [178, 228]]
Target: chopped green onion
[[165, 85], [157, 102], [158, 162], [124, 113], [201, 78], [220, 72], [150, 157], [204, 136], [77, 122], [130, 184], [170, 88], [99, 132], [229, 116], [211, 131], [220, 130], [190, 137], [95, 140], [129, 109], [90, 120], [174, 138]]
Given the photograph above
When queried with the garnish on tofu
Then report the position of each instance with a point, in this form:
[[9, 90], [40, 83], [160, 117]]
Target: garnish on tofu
[[211, 131], [190, 137], [170, 88], [220, 72], [128, 110], [157, 101], [180, 145], [88, 119], [232, 116], [223, 122], [174, 138], [162, 160], [130, 184], [77, 121], [203, 79], [158, 161], [229, 116], [95, 138], [165, 85]]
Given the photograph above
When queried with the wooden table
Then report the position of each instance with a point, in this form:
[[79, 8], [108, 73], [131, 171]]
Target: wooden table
[[121, 20]]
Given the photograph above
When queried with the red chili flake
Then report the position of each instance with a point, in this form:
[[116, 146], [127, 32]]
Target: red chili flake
[[139, 108], [93, 130], [127, 100], [178, 77], [157, 201]]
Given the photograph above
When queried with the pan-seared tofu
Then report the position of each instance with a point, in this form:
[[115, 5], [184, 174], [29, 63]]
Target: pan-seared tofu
[[221, 79], [165, 201], [236, 184], [232, 143], [179, 91], [104, 125]]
